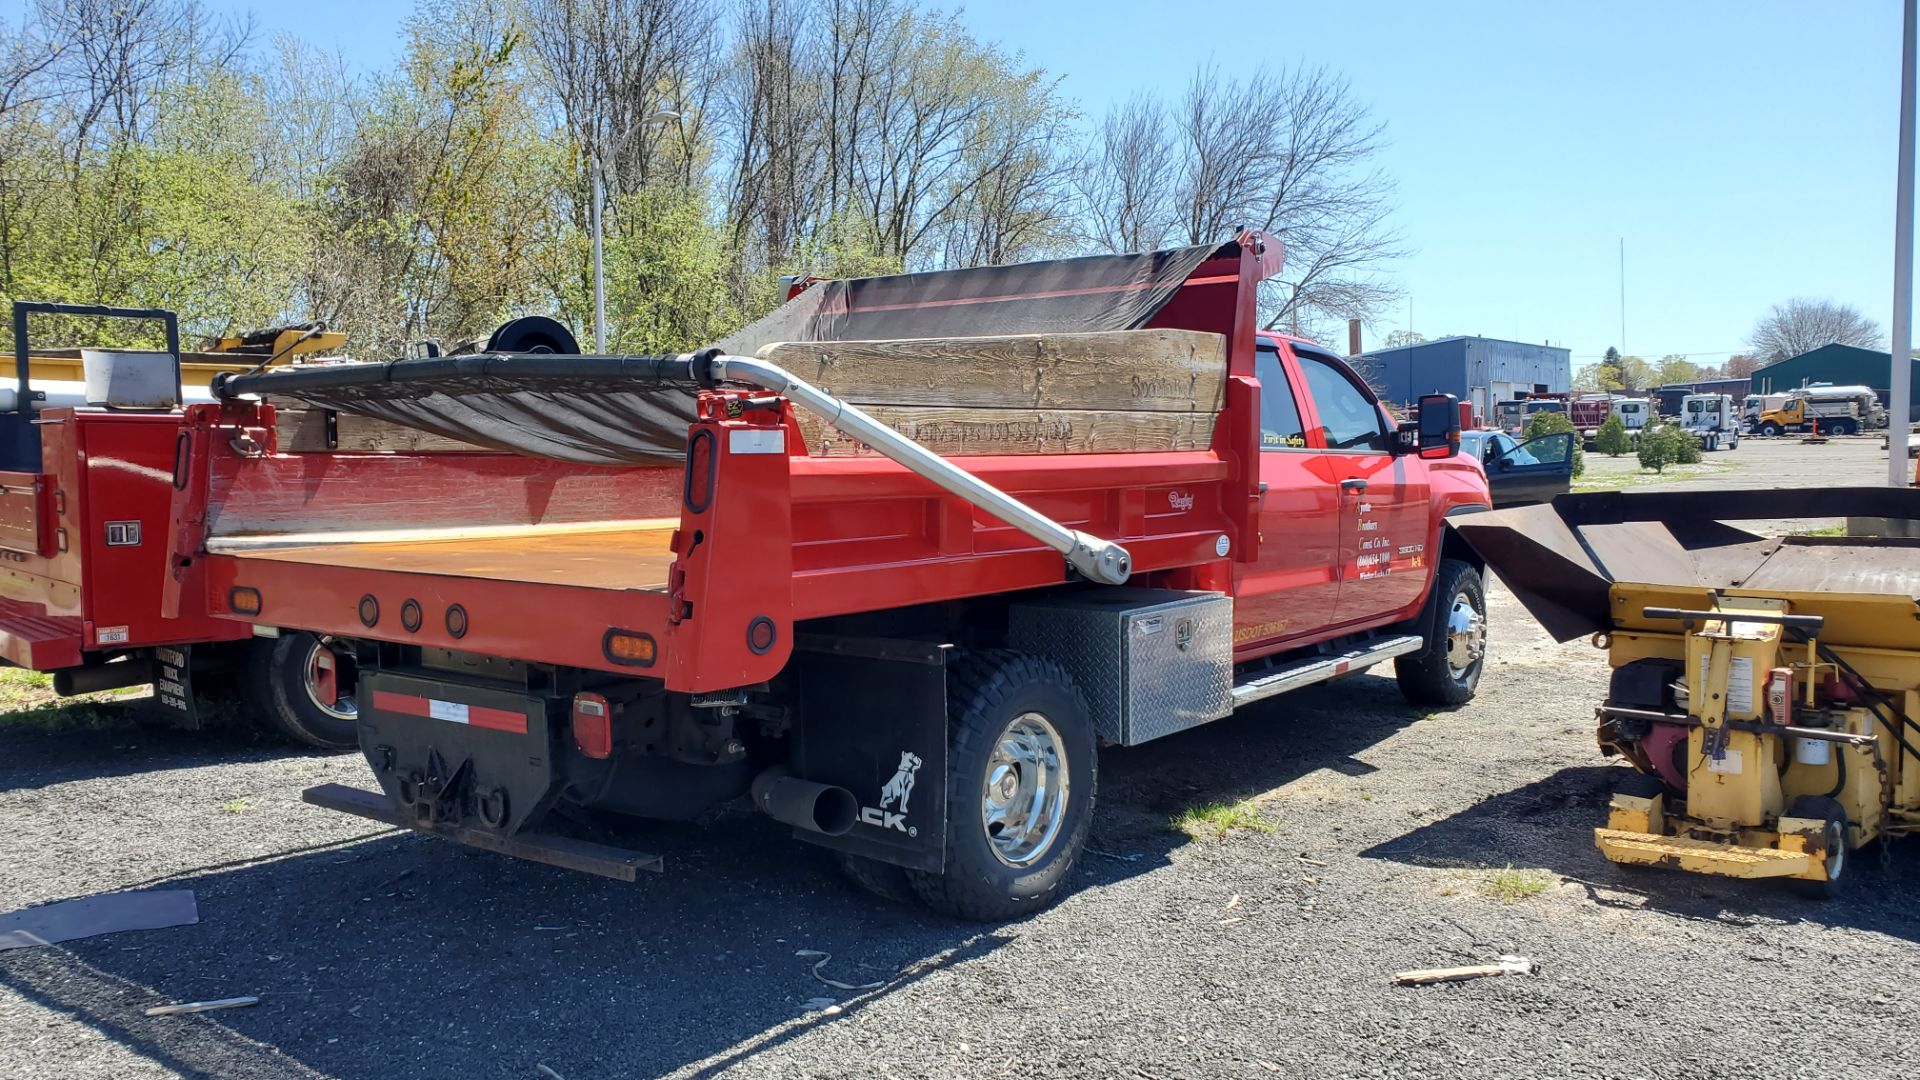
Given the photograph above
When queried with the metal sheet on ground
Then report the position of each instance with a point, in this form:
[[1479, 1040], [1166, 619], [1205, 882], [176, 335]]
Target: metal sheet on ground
[[90, 916]]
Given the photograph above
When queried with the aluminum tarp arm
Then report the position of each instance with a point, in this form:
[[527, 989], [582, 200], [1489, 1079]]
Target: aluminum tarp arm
[[1095, 559]]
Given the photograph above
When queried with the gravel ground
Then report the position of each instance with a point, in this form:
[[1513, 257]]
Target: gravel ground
[[1259, 954]]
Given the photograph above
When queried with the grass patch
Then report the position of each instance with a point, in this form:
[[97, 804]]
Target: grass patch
[[239, 804], [28, 703], [1830, 530], [1510, 886], [1218, 819], [1616, 481]]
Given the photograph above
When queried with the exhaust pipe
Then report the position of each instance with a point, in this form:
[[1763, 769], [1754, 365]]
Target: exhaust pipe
[[93, 678], [803, 804]]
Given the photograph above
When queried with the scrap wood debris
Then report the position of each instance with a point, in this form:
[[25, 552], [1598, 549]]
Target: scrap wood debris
[[202, 1006], [835, 983], [1508, 965]]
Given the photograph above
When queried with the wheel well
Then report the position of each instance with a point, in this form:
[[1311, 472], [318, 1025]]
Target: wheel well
[[1453, 547]]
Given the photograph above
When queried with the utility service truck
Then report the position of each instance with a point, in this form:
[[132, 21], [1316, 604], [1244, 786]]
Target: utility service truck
[[89, 445], [894, 561]]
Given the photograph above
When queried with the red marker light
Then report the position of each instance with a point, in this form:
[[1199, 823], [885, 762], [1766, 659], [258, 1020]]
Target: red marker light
[[593, 725]]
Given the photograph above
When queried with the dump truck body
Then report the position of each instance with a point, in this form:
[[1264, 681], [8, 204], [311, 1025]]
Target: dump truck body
[[807, 604]]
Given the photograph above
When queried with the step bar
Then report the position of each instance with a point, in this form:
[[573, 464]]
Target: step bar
[[562, 851], [1271, 682]]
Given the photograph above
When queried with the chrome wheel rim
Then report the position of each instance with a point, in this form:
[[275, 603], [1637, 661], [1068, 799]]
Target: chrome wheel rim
[[1466, 637], [1024, 791], [343, 707]]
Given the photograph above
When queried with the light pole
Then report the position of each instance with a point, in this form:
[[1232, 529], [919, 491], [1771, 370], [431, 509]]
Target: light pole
[[599, 267], [1899, 473]]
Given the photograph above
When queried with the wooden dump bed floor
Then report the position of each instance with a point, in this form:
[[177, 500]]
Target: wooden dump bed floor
[[630, 557]]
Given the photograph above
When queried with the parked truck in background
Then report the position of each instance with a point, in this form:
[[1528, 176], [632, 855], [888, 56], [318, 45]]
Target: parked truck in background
[[1835, 410], [902, 616], [1711, 420]]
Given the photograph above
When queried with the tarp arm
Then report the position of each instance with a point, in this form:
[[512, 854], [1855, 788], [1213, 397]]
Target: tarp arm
[[1095, 559]]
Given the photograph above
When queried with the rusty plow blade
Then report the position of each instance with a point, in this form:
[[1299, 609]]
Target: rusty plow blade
[[1561, 560]]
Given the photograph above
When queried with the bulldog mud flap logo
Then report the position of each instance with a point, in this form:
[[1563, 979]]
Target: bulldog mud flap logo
[[894, 796]]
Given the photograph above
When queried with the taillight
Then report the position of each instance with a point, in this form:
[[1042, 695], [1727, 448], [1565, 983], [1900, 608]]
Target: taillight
[[593, 725]]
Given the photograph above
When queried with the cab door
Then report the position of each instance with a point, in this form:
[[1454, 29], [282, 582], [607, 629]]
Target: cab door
[[1293, 585], [1383, 496]]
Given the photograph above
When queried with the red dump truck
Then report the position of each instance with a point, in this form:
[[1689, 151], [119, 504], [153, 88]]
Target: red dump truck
[[894, 561]]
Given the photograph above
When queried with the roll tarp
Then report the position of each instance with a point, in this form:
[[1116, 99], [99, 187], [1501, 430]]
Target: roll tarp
[[551, 410]]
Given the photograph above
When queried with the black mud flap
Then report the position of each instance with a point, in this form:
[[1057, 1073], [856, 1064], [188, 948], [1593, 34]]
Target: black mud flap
[[454, 755], [173, 685], [874, 721], [193, 685]]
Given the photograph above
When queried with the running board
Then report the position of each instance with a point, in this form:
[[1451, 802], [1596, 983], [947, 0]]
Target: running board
[[565, 852], [1318, 669]]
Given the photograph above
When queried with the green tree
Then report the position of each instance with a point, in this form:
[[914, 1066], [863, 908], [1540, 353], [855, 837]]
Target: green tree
[[1552, 423], [1663, 445], [1612, 439], [1677, 369]]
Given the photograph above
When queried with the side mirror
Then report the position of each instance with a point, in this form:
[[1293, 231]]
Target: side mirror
[[1438, 425]]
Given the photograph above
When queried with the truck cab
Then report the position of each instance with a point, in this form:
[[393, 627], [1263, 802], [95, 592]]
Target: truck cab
[[1710, 419], [1361, 519]]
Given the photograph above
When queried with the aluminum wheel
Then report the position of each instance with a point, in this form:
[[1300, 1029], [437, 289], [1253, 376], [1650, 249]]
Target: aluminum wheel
[[343, 706], [1466, 637], [1024, 795]]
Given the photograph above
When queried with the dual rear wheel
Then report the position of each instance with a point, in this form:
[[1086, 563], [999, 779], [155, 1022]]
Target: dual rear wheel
[[1021, 778], [286, 687]]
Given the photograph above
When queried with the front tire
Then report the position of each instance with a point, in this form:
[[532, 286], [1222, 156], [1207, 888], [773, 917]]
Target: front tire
[[1447, 672], [279, 686], [1021, 778], [1771, 429]]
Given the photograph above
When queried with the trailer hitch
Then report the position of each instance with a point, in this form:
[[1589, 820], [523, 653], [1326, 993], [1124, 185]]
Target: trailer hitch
[[1093, 558]]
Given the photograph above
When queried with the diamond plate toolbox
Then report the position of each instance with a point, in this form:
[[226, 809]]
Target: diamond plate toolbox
[[1150, 662]]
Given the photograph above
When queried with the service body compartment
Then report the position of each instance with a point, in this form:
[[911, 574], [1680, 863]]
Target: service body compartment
[[1150, 662]]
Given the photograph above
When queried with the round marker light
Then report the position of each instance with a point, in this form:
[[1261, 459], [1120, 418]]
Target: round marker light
[[410, 615], [369, 611]]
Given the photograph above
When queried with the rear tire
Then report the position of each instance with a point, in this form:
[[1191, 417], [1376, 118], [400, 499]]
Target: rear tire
[[1447, 672], [1843, 427], [1828, 810], [1021, 778], [276, 686]]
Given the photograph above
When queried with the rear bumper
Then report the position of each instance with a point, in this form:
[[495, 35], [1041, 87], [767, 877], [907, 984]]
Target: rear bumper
[[562, 851], [1705, 856]]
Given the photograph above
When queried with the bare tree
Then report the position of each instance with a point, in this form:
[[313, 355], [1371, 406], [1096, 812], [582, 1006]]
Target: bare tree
[[1289, 151], [1125, 182], [1802, 325]]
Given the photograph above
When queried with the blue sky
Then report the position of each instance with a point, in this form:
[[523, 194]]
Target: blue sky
[[1744, 151]]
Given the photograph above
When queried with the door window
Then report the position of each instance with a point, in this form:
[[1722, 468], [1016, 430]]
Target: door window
[[1280, 427], [1349, 420]]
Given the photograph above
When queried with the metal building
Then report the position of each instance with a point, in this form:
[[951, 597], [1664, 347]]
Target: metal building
[[1841, 365], [1477, 369]]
